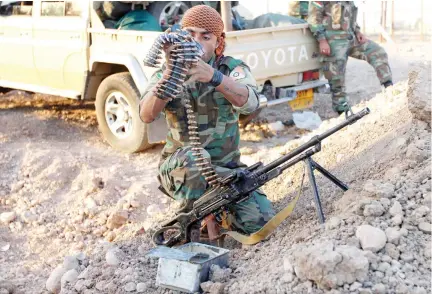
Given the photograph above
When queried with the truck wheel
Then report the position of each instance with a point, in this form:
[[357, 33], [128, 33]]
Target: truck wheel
[[117, 112], [169, 13]]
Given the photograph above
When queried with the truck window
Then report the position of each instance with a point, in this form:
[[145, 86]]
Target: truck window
[[60, 8], [9, 8]]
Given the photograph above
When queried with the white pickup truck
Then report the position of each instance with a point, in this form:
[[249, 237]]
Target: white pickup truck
[[63, 48]]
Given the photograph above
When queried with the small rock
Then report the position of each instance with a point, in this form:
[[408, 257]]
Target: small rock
[[385, 202], [69, 277], [421, 211], [70, 262], [404, 232], [110, 236], [373, 209], [218, 274], [355, 286], [141, 287], [53, 284], [117, 219], [383, 267], [371, 238], [7, 217], [333, 223], [213, 288], [397, 220], [425, 227], [112, 256], [379, 289], [407, 257], [129, 287], [386, 258], [393, 235], [402, 289], [396, 209]]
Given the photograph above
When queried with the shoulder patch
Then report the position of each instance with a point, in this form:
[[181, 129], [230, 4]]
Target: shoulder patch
[[238, 73]]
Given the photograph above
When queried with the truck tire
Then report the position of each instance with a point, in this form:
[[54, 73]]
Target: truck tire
[[117, 113], [162, 10]]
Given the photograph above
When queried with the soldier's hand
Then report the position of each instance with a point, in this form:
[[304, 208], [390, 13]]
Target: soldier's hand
[[324, 47], [361, 38], [202, 72]]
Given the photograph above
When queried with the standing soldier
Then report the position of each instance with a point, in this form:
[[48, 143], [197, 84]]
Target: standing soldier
[[299, 9], [334, 25]]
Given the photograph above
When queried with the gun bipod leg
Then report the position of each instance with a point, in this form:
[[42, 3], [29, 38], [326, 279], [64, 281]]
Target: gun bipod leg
[[310, 167], [329, 175]]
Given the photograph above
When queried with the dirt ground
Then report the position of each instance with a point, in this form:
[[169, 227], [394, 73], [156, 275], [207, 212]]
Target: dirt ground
[[60, 184]]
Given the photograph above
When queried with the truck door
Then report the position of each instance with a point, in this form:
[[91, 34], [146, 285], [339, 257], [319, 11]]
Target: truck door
[[60, 33], [16, 50]]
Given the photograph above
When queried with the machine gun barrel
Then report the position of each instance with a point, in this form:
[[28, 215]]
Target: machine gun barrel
[[312, 142]]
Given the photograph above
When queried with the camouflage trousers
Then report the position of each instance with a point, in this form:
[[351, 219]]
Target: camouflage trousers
[[334, 66], [182, 180]]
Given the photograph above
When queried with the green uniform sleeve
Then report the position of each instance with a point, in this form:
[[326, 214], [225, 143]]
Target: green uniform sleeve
[[315, 19], [241, 74]]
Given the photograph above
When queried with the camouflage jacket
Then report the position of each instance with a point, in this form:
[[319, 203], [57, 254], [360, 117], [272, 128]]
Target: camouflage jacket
[[299, 8], [217, 117], [329, 18]]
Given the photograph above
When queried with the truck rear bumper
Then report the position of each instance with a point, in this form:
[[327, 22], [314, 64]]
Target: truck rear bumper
[[290, 93]]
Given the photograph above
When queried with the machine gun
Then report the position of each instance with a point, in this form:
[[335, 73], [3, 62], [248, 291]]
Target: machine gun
[[237, 187]]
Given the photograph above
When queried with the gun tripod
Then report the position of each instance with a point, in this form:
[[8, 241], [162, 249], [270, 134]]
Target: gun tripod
[[311, 167]]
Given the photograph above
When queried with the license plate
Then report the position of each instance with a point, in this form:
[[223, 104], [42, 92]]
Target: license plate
[[304, 99]]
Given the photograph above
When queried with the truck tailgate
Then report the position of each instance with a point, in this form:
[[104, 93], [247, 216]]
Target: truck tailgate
[[272, 53]]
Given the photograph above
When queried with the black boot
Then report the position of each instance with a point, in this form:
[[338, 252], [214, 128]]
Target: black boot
[[387, 84]]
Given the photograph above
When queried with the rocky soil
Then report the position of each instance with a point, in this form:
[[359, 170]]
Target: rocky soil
[[75, 215]]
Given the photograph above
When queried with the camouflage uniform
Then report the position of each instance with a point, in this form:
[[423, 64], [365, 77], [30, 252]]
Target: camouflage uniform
[[219, 135], [299, 9], [336, 21]]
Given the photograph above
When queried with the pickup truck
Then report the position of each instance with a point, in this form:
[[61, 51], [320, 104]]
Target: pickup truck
[[63, 48]]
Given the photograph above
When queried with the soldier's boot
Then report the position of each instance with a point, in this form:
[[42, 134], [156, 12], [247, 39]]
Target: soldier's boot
[[341, 105], [388, 84]]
